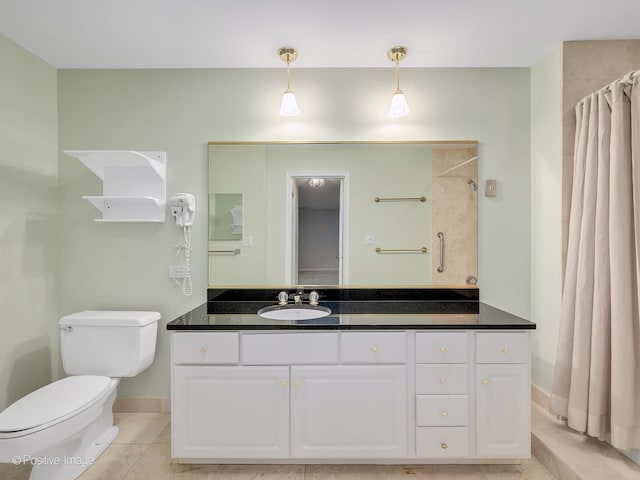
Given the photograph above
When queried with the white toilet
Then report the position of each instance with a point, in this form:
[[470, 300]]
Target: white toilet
[[62, 427]]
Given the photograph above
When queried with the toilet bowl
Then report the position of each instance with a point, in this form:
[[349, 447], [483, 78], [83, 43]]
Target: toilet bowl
[[63, 427]]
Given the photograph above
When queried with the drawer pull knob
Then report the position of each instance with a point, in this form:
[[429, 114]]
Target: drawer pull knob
[[443, 381], [295, 383], [485, 381], [443, 349], [445, 413], [505, 350], [203, 349], [283, 384], [444, 445], [374, 349]]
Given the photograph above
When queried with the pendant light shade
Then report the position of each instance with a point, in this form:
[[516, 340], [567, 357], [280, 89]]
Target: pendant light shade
[[399, 106], [289, 106]]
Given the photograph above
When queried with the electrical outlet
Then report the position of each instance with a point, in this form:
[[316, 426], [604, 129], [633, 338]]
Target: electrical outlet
[[179, 271], [369, 239]]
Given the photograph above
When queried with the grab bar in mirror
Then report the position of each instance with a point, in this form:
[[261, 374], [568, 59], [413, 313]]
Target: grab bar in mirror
[[231, 252], [401, 250], [441, 266], [399, 199]]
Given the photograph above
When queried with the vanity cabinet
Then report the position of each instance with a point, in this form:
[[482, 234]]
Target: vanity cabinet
[[288, 395], [348, 411], [503, 393], [412, 396], [442, 394], [230, 412]]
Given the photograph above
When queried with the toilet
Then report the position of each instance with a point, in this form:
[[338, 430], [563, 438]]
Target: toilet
[[63, 427]]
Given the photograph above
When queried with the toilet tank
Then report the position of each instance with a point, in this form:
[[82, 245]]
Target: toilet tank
[[110, 343]]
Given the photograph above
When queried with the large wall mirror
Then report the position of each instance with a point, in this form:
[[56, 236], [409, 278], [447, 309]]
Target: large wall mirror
[[352, 213]]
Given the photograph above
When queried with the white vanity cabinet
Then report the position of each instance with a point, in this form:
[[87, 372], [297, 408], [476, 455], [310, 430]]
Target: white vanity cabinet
[[503, 394], [288, 395], [393, 396], [230, 412], [442, 394], [349, 411]]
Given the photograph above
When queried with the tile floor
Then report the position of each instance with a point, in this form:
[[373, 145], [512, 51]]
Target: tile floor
[[142, 451]]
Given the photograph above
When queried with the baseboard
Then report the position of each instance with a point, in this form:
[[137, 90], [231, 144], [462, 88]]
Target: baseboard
[[540, 397], [142, 404]]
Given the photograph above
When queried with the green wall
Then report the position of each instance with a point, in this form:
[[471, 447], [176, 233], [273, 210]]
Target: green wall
[[29, 346], [546, 221]]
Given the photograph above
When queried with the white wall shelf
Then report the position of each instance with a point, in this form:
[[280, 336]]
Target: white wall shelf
[[133, 184]]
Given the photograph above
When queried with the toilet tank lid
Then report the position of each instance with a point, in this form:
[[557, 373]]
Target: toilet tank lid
[[110, 318]]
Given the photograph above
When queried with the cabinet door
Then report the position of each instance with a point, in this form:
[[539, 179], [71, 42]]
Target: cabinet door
[[503, 410], [230, 412], [348, 412]]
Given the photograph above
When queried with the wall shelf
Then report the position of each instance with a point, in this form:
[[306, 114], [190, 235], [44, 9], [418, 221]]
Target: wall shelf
[[133, 184]]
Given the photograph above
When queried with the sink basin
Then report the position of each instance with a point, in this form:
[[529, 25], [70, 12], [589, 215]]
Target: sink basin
[[294, 312]]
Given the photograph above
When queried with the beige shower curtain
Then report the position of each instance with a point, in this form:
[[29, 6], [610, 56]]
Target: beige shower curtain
[[597, 375]]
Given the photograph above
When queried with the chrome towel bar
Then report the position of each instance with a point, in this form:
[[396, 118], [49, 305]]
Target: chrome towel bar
[[402, 250], [441, 266], [230, 252], [399, 199]]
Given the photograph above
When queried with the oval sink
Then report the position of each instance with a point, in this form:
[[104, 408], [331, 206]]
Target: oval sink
[[294, 312]]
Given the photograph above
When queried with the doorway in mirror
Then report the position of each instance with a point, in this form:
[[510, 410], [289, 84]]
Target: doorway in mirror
[[316, 206]]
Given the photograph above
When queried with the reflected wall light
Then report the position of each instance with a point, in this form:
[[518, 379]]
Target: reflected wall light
[[399, 107], [289, 106]]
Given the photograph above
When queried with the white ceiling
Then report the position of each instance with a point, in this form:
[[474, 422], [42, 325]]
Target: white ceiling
[[327, 33]]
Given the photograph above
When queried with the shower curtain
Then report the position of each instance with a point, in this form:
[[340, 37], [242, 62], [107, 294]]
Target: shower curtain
[[597, 375]]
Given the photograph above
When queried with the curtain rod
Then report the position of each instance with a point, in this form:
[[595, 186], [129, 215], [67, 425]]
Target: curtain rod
[[629, 79], [458, 166]]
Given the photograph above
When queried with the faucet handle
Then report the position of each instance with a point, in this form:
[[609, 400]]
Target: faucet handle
[[313, 298], [283, 298]]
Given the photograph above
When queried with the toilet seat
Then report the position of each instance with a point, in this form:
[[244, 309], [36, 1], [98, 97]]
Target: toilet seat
[[52, 403]]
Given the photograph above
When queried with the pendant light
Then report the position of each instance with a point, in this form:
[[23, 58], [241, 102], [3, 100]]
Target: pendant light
[[399, 106], [289, 106]]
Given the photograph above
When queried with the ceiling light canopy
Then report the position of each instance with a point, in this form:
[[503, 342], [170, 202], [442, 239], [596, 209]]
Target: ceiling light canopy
[[399, 106], [289, 106]]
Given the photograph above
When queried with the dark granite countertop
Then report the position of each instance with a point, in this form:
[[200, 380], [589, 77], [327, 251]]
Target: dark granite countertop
[[486, 318]]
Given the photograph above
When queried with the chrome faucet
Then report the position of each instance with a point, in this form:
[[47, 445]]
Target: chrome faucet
[[298, 296]]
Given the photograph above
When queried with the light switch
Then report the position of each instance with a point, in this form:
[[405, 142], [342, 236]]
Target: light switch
[[490, 188], [247, 241]]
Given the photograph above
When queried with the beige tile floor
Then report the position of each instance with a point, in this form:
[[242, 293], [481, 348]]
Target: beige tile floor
[[142, 451]]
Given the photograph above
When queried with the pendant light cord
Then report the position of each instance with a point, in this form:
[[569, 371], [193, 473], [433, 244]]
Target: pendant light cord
[[288, 74]]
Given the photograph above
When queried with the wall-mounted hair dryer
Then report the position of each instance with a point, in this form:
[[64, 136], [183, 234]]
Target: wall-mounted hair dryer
[[183, 208]]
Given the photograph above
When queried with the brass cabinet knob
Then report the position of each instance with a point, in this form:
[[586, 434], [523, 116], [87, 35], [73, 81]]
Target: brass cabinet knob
[[443, 349], [203, 349], [295, 383], [505, 349], [283, 384], [485, 381], [374, 349], [443, 381], [444, 413], [444, 445]]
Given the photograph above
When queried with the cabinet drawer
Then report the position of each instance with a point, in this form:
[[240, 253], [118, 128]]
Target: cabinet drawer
[[442, 441], [442, 379], [502, 347], [289, 348], [205, 348], [373, 347], [441, 347], [442, 410]]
